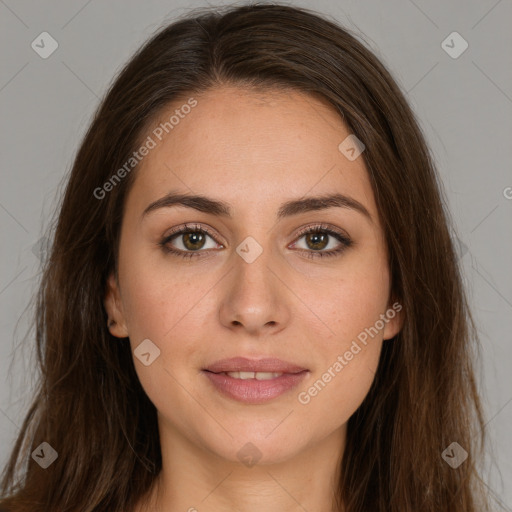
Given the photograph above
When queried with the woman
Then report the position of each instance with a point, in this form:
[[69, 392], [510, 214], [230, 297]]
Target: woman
[[252, 299]]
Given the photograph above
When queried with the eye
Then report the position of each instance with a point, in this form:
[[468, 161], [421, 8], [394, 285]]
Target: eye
[[189, 239], [318, 238]]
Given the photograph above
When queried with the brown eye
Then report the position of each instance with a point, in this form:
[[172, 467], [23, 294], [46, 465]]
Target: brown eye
[[189, 241], [318, 238]]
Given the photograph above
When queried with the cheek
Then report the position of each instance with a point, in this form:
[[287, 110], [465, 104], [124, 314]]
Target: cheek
[[158, 296], [349, 356], [170, 309], [337, 390], [351, 307], [353, 302]]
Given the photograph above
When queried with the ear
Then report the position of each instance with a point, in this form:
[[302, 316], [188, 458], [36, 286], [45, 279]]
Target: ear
[[394, 319], [114, 309]]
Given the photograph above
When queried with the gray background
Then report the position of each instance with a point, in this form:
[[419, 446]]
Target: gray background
[[464, 105]]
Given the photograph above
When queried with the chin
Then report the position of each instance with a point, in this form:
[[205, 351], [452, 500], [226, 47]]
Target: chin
[[258, 445]]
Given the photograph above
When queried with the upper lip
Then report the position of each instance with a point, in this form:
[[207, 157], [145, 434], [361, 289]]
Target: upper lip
[[242, 364]]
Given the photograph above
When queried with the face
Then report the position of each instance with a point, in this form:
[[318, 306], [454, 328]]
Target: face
[[253, 279]]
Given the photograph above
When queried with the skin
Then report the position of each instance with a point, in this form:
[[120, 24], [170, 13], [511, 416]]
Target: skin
[[254, 150]]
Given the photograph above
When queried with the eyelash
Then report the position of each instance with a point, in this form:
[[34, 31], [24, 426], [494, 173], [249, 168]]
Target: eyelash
[[196, 228]]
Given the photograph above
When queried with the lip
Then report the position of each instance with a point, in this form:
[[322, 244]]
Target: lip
[[253, 391], [242, 364]]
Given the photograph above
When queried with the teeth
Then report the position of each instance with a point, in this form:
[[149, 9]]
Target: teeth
[[253, 375]]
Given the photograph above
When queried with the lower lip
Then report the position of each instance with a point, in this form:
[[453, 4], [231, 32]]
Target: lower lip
[[252, 391]]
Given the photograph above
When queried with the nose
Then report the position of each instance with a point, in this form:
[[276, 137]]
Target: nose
[[255, 300]]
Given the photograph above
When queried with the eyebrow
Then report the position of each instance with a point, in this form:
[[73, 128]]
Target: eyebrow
[[287, 209]]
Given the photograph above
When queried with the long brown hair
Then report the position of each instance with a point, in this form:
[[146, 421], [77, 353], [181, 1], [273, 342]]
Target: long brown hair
[[90, 406]]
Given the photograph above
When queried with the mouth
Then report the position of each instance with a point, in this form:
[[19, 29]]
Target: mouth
[[254, 381]]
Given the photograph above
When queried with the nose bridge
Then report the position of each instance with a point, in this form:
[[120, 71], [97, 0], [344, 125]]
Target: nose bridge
[[255, 297], [253, 279]]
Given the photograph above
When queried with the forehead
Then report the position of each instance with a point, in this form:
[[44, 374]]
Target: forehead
[[251, 147]]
